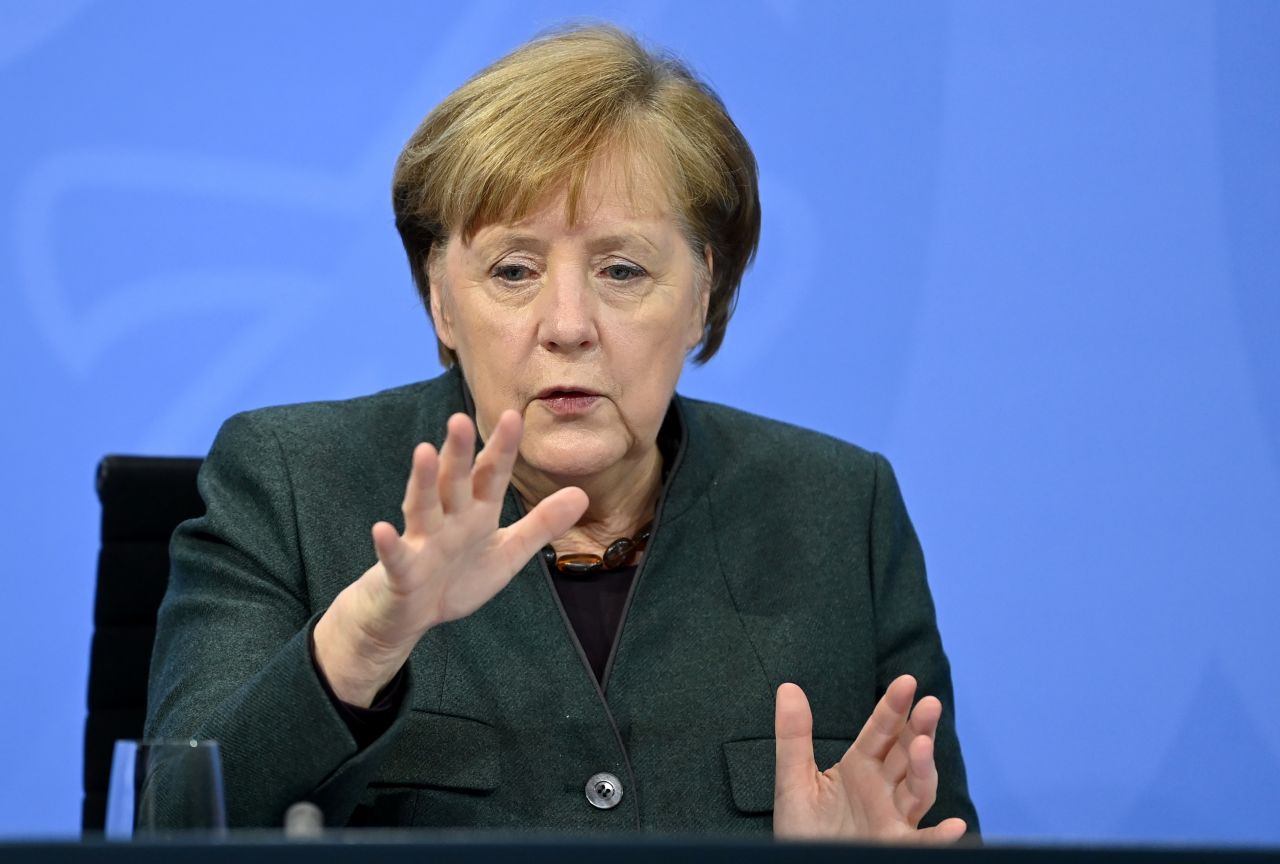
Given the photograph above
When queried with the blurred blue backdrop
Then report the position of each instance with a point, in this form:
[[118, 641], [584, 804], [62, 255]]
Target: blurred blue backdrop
[[1030, 251]]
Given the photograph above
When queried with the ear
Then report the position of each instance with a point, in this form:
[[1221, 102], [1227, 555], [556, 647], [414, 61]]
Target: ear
[[702, 299], [441, 317]]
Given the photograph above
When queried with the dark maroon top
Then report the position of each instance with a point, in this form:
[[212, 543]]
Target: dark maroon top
[[594, 606]]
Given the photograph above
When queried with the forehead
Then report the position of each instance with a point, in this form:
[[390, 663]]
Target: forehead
[[614, 191]]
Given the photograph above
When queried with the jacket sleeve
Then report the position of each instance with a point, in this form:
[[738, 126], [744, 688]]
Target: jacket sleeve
[[232, 659], [907, 638]]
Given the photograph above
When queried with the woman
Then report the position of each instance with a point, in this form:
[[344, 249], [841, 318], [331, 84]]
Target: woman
[[629, 610]]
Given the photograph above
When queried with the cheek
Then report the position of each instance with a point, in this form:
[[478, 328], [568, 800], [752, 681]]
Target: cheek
[[655, 355], [493, 353], [492, 337]]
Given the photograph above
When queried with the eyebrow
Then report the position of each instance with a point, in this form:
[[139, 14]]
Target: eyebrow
[[622, 241], [512, 238], [626, 240]]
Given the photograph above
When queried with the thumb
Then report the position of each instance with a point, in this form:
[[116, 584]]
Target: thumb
[[389, 547], [553, 516], [793, 732], [946, 831]]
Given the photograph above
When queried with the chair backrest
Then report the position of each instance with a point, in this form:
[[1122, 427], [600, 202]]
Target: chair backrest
[[143, 500]]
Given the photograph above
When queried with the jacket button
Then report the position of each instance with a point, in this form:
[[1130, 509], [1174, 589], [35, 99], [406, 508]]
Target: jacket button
[[604, 791]]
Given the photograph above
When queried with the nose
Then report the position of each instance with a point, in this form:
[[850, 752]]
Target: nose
[[567, 322]]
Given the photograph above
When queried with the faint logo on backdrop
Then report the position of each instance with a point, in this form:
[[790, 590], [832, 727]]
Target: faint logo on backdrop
[[81, 326], [269, 303]]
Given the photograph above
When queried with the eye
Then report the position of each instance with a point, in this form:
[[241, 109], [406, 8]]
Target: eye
[[623, 272], [512, 272]]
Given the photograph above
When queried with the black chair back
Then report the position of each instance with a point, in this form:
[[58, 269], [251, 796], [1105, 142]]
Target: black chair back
[[143, 500]]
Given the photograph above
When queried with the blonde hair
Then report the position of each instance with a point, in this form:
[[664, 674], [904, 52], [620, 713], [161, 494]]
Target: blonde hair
[[535, 120]]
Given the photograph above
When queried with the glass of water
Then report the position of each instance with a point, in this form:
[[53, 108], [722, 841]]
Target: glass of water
[[165, 787]]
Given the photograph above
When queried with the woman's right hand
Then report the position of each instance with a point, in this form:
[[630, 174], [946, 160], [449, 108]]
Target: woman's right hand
[[450, 561]]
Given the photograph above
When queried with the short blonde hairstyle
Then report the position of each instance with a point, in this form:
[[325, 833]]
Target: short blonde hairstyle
[[534, 121]]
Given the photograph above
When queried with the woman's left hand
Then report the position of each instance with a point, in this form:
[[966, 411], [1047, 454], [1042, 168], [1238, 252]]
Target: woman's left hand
[[882, 787]]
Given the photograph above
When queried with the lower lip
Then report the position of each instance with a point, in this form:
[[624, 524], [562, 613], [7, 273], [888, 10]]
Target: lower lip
[[569, 404]]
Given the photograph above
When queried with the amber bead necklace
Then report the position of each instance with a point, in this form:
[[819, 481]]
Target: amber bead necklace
[[618, 554]]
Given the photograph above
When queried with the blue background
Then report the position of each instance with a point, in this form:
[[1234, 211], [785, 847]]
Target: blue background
[[1031, 251]]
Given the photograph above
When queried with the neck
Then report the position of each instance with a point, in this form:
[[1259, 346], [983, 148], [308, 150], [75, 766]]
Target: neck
[[622, 500]]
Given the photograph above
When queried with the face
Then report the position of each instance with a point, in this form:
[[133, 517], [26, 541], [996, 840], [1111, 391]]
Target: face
[[581, 328]]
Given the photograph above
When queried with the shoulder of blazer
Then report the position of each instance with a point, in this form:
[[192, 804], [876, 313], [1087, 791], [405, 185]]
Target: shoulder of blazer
[[743, 449], [387, 419]]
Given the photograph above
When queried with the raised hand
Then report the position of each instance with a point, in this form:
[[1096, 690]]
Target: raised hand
[[879, 790], [450, 561]]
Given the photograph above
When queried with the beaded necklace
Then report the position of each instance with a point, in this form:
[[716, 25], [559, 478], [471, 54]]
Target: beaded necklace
[[618, 554]]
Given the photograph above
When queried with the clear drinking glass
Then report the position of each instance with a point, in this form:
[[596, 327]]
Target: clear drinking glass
[[161, 787]]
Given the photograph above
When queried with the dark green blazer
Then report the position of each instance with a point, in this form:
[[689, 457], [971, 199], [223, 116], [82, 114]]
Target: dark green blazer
[[778, 555]]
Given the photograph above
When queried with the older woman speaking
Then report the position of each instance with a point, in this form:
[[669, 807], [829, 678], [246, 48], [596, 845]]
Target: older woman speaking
[[629, 610]]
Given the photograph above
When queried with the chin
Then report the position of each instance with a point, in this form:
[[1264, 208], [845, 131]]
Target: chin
[[572, 458]]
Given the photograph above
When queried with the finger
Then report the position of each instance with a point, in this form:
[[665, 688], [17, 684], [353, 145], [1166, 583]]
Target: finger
[[946, 831], [493, 466], [794, 766], [923, 721], [421, 505], [921, 782], [389, 547], [925, 716], [887, 721], [455, 464], [553, 516]]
